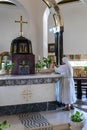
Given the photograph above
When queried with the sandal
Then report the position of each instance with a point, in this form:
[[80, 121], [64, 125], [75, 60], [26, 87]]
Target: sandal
[[67, 109], [72, 107]]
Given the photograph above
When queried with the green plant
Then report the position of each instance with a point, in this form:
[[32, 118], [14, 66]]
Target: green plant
[[47, 61], [77, 117], [38, 64], [8, 65], [44, 62], [85, 68], [4, 125]]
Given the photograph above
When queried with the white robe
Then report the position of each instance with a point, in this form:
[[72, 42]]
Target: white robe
[[68, 88]]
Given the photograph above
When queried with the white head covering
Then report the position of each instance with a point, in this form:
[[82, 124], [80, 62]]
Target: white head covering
[[65, 60]]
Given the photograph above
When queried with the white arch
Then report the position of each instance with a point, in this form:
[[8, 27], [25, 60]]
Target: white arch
[[24, 11], [20, 6], [45, 32]]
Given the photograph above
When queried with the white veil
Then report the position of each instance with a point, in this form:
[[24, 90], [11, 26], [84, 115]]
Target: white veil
[[66, 61]]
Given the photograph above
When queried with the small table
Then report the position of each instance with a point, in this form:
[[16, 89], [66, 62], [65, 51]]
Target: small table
[[79, 81]]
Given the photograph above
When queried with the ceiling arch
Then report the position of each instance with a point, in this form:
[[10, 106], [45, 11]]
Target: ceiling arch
[[56, 13], [50, 3], [15, 2]]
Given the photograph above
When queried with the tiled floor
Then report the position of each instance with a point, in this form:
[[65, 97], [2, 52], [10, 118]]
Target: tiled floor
[[58, 119], [82, 104]]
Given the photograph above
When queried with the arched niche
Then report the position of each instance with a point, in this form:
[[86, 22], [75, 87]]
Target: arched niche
[[9, 29]]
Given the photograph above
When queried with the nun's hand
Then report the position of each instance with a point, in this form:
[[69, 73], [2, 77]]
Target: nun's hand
[[55, 64], [55, 68]]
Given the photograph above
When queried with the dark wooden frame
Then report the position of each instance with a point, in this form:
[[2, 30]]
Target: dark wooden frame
[[51, 47]]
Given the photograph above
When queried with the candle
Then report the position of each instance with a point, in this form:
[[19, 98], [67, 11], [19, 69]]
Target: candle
[[39, 57], [3, 64]]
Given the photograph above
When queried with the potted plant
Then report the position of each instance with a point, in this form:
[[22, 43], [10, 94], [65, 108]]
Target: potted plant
[[4, 125], [77, 121], [47, 61], [43, 65], [38, 65], [8, 66]]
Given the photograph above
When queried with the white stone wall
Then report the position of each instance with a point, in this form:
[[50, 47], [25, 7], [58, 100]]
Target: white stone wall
[[75, 26], [13, 95]]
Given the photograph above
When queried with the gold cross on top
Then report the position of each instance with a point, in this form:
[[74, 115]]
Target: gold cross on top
[[21, 22]]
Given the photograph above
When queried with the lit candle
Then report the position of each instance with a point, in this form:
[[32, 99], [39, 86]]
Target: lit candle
[[39, 57], [3, 64]]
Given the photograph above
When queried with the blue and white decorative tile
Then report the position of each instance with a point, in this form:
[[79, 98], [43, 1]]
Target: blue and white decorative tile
[[35, 120]]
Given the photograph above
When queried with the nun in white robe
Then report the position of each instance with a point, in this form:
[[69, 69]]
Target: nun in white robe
[[67, 90]]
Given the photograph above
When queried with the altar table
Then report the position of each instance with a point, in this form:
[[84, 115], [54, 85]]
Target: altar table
[[31, 92]]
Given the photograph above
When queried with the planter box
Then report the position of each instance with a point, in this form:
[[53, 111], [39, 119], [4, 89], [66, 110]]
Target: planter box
[[77, 125]]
